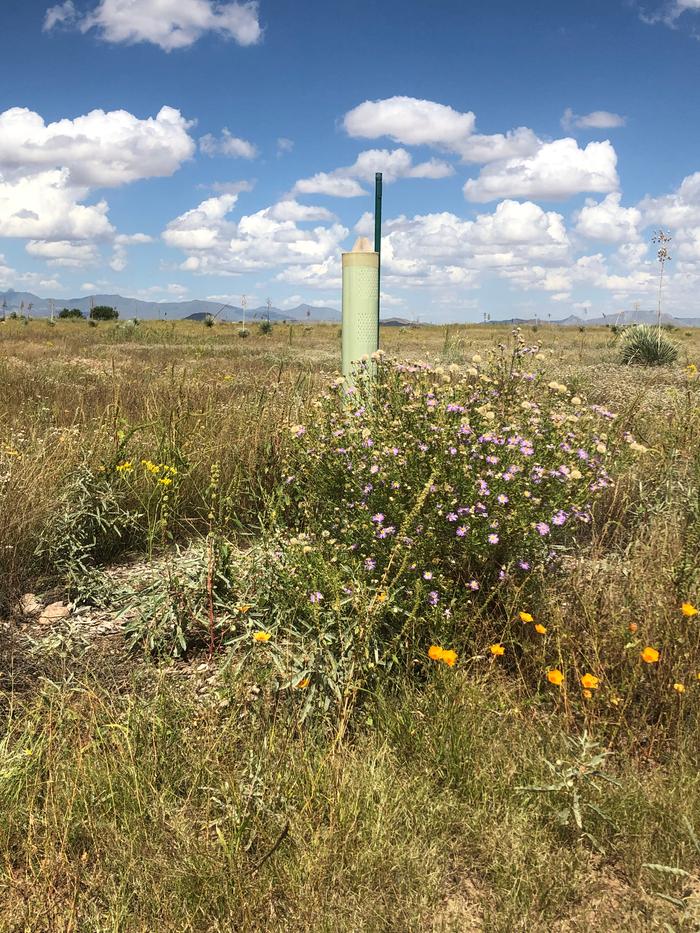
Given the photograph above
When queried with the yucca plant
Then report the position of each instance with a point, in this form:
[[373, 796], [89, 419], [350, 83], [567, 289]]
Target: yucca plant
[[647, 345]]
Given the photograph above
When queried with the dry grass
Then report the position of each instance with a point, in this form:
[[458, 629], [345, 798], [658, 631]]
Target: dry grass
[[133, 800]]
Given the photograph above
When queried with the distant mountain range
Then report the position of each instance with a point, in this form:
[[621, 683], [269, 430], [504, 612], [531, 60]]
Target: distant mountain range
[[197, 310], [619, 318], [171, 310]]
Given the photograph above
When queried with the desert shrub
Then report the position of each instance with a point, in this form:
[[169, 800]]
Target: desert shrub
[[648, 346], [265, 327], [67, 314]]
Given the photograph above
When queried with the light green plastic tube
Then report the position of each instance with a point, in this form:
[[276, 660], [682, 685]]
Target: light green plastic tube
[[360, 295]]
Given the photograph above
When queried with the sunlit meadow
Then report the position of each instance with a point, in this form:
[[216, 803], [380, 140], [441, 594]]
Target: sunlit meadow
[[418, 654]]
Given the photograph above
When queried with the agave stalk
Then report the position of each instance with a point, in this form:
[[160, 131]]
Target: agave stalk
[[662, 240]]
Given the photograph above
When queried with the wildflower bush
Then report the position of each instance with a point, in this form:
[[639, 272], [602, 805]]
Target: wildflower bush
[[422, 506], [450, 482]]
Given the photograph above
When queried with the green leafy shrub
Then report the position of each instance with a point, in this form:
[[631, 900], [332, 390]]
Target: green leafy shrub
[[90, 527], [190, 606], [265, 327], [648, 346], [103, 313]]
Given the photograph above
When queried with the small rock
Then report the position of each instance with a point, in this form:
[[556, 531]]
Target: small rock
[[54, 612], [29, 605]]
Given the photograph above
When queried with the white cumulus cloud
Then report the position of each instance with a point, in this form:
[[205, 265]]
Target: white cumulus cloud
[[394, 164], [410, 121], [100, 149], [64, 253], [227, 145], [558, 170], [48, 173], [170, 24], [276, 236], [597, 120], [416, 122], [45, 205], [608, 221]]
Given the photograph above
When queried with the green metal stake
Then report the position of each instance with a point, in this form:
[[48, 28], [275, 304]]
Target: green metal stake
[[378, 235]]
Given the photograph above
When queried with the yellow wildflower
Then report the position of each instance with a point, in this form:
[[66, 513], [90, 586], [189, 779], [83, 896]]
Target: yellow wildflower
[[555, 677], [650, 655], [525, 617], [165, 481], [125, 467], [303, 684], [587, 694], [689, 610], [540, 629], [435, 653], [497, 650], [449, 657], [590, 682], [381, 597], [679, 688], [262, 636], [244, 607]]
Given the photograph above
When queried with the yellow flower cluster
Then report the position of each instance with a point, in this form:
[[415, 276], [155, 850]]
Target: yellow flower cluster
[[164, 472], [447, 656]]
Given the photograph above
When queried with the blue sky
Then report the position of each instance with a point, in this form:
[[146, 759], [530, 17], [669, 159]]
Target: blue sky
[[188, 148]]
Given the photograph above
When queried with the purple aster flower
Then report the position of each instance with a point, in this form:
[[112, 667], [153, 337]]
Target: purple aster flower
[[502, 498], [560, 518], [378, 518], [461, 531], [493, 538], [542, 528], [315, 597], [370, 563], [451, 516], [523, 564], [433, 598], [427, 575], [474, 585]]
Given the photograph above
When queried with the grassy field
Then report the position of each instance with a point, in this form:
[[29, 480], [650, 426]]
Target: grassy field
[[269, 748]]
